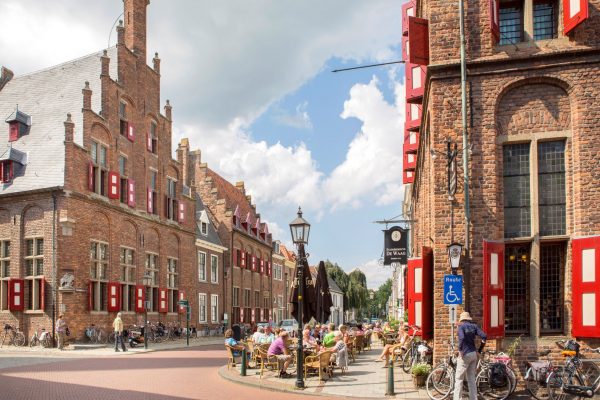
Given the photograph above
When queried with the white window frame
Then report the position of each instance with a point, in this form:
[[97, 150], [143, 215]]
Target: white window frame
[[199, 266], [201, 307], [214, 308], [4, 273], [214, 268]]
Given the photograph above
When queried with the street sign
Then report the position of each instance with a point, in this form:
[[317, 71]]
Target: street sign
[[453, 285], [452, 316]]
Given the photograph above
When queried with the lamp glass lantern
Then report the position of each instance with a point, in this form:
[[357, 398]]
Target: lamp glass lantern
[[455, 255], [300, 229]]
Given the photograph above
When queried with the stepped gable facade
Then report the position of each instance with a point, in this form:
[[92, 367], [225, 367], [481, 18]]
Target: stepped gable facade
[[90, 197]]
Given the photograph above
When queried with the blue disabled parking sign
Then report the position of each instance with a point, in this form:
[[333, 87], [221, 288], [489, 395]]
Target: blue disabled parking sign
[[453, 285]]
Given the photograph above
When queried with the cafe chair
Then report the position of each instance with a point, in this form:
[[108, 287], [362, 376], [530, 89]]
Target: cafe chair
[[320, 362], [266, 361], [367, 341], [231, 361]]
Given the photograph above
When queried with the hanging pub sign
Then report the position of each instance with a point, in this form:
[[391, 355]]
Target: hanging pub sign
[[395, 246]]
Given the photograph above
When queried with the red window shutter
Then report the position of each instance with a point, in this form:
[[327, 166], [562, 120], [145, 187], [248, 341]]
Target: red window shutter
[[253, 316], [408, 10], [90, 296], [113, 185], [131, 193], [162, 302], [91, 176], [415, 291], [235, 257], [149, 204], [586, 287], [415, 82], [182, 309], [114, 297], [253, 263], [427, 321], [243, 259], [13, 131], [130, 131], [43, 294], [405, 48], [269, 268], [575, 12], [493, 289], [148, 142], [418, 34], [262, 265], [181, 212], [16, 294], [495, 20], [140, 298]]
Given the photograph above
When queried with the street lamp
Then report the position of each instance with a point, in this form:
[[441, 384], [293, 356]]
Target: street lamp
[[454, 256], [146, 281], [300, 229]]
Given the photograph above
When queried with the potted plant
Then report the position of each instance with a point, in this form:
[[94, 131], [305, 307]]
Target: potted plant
[[419, 373]]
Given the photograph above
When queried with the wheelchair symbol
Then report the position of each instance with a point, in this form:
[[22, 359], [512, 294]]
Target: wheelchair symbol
[[451, 296]]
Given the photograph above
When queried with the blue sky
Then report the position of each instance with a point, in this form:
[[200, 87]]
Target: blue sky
[[251, 86]]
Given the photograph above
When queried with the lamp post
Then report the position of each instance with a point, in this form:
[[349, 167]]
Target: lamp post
[[300, 229], [147, 281]]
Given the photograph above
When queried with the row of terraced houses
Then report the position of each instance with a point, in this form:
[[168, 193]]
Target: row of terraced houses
[[91, 201]]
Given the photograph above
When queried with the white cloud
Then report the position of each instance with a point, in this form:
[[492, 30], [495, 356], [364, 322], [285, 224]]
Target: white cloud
[[299, 119], [373, 165]]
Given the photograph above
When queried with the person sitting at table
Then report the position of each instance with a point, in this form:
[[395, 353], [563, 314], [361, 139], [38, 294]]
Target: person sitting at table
[[279, 348], [377, 327], [260, 332], [316, 332], [268, 337], [387, 328], [359, 330], [329, 338], [343, 329], [307, 339], [340, 352], [323, 331], [236, 346]]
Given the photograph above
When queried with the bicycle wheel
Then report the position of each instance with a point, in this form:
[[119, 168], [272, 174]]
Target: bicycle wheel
[[490, 391], [557, 379], [101, 336], [512, 378], [34, 341], [407, 360], [111, 338], [440, 382], [538, 390], [19, 339]]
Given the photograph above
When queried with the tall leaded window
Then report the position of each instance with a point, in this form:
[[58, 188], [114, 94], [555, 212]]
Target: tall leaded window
[[202, 307], [517, 207], [545, 20], [201, 266], [4, 273], [34, 280], [552, 270], [172, 283], [551, 183], [214, 269], [98, 275], [98, 153], [126, 261], [152, 270], [516, 289], [214, 308], [511, 21]]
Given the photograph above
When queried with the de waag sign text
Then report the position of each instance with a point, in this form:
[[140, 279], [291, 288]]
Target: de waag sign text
[[395, 244]]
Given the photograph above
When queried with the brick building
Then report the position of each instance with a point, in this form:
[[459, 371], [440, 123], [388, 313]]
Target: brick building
[[251, 289], [90, 198], [533, 262], [290, 266]]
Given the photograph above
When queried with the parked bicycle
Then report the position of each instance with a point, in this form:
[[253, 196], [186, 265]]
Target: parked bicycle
[[578, 378], [96, 335], [495, 378], [13, 335], [440, 382], [42, 338], [412, 355]]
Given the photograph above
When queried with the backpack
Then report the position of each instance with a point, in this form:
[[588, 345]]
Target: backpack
[[497, 375]]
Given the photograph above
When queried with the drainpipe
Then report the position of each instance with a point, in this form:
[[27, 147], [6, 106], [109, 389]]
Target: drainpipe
[[54, 272], [465, 144]]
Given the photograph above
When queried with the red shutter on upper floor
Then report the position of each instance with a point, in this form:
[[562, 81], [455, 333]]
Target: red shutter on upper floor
[[90, 296], [493, 289], [113, 185], [140, 298], [91, 176], [574, 13], [182, 309], [13, 131], [148, 142], [131, 193], [149, 203], [495, 20], [130, 131], [235, 257], [415, 82], [253, 263], [262, 265], [408, 10], [405, 48], [408, 176], [418, 33], [114, 297], [243, 260], [586, 287], [269, 268], [162, 302], [16, 294], [415, 291], [43, 294], [181, 214]]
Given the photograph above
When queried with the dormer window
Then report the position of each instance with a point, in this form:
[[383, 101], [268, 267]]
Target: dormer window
[[18, 125], [204, 228], [8, 161], [6, 171], [152, 140], [236, 217]]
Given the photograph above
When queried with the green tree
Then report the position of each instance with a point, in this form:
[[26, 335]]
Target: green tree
[[340, 277], [358, 295]]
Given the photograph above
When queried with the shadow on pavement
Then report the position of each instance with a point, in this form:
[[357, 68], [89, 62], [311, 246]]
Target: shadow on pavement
[[22, 388]]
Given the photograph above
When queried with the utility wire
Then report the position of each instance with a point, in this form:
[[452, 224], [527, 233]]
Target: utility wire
[[368, 66]]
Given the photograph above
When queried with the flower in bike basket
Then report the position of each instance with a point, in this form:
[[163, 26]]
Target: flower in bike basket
[[497, 375]]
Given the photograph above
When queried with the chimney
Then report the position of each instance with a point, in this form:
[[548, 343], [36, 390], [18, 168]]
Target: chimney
[[240, 186], [156, 63], [135, 26], [5, 76], [87, 96], [69, 129], [183, 150]]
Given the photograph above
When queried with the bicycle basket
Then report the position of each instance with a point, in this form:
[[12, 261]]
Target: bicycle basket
[[539, 370], [497, 375]]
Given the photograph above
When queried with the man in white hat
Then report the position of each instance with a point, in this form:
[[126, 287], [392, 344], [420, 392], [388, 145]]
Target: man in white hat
[[467, 359]]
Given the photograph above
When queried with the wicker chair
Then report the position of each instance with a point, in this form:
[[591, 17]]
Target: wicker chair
[[359, 342], [320, 362], [397, 352], [367, 341], [231, 361], [266, 361]]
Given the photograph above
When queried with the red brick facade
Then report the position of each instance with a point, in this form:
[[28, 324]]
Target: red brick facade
[[126, 229], [532, 92]]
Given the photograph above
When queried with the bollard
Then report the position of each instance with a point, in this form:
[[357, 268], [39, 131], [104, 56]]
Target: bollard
[[390, 379], [244, 363]]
